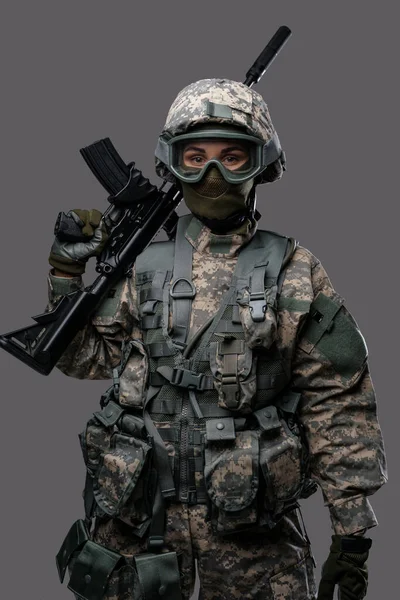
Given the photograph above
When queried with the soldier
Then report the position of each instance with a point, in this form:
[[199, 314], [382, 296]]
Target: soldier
[[240, 382]]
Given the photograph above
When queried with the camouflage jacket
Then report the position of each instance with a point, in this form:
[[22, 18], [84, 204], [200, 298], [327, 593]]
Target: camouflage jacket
[[338, 406]]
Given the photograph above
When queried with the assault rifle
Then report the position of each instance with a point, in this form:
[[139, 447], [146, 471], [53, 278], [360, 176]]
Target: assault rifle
[[137, 212]]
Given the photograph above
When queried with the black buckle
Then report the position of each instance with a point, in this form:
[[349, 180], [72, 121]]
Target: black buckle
[[186, 294], [187, 379], [258, 306]]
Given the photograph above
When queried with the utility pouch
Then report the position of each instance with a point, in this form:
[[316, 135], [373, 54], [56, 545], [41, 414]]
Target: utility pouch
[[118, 460], [159, 576], [231, 479], [234, 368], [91, 565], [135, 368], [280, 460]]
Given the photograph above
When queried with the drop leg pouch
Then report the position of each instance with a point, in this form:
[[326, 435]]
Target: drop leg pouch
[[93, 567]]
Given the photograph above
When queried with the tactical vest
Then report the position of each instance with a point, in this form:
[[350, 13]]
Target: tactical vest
[[218, 424], [221, 404]]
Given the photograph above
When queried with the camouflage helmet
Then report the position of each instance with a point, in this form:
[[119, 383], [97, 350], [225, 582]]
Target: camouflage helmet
[[226, 102]]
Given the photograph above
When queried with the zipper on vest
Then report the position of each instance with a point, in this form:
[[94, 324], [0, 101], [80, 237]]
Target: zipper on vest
[[184, 453]]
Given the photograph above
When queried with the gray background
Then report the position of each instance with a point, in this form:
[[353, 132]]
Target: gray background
[[73, 72]]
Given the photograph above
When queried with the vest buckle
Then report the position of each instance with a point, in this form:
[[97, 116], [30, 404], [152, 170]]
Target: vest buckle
[[258, 306]]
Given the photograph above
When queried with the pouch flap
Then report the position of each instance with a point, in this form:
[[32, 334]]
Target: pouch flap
[[92, 570], [75, 538], [231, 471], [220, 429], [159, 575], [289, 402], [268, 418], [119, 472], [322, 312], [110, 414]]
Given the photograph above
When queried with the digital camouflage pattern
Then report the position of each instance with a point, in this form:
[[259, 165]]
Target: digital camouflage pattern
[[277, 565], [248, 111], [337, 410]]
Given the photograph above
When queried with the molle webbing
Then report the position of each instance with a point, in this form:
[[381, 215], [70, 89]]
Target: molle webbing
[[174, 378]]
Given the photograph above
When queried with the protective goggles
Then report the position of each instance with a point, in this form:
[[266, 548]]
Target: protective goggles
[[259, 155]]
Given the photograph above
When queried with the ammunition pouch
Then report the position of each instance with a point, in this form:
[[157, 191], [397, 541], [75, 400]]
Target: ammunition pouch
[[96, 571], [231, 479], [234, 369], [118, 458], [256, 475]]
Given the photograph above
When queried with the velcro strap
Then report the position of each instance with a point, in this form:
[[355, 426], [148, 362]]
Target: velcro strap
[[213, 109], [357, 544], [322, 312]]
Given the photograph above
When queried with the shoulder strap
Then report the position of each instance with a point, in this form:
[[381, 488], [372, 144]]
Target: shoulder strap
[[182, 289], [259, 264]]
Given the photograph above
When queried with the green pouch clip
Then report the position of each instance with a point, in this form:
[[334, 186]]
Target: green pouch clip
[[159, 576]]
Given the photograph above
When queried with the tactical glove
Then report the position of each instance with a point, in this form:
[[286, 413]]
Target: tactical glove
[[346, 567], [71, 257]]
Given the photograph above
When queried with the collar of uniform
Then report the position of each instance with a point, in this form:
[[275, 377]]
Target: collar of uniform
[[207, 242]]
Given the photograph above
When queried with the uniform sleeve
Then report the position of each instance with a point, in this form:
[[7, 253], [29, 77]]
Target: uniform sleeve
[[96, 349], [338, 409]]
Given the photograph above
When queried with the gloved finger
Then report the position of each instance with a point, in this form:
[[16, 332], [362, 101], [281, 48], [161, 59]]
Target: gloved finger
[[88, 219], [94, 217], [326, 589]]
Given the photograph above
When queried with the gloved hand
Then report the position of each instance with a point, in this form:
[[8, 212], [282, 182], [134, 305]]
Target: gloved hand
[[71, 257], [346, 567]]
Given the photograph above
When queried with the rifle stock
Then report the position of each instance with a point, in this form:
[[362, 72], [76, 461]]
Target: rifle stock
[[137, 212]]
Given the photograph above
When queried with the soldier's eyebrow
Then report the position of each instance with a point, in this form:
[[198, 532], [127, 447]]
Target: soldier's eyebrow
[[223, 151], [195, 148], [232, 148]]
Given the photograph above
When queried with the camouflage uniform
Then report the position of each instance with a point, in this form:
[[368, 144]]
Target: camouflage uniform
[[327, 365], [337, 411]]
